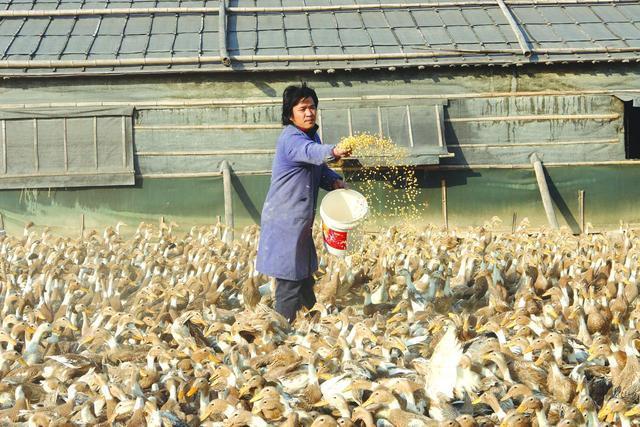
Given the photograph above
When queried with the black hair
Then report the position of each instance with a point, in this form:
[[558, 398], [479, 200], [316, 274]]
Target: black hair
[[291, 96]]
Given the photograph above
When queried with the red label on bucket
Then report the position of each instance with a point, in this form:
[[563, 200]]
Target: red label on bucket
[[335, 239]]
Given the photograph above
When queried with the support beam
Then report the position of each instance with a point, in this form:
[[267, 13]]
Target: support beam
[[544, 191], [525, 46], [222, 34], [228, 199], [581, 211], [445, 208]]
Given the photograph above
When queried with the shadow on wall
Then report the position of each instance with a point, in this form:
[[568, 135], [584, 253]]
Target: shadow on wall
[[561, 205], [453, 146], [245, 199]]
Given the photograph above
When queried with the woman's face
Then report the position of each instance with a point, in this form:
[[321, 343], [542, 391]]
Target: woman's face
[[303, 114]]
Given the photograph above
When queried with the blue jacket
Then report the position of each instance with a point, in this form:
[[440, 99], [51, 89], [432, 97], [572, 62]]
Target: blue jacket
[[286, 248]]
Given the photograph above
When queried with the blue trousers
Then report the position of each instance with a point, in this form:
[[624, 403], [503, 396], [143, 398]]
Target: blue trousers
[[291, 295]]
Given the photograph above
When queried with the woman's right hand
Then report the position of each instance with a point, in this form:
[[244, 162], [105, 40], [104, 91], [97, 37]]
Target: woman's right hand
[[340, 152]]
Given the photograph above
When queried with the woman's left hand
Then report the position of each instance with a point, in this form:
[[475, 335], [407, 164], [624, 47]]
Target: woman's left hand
[[339, 184]]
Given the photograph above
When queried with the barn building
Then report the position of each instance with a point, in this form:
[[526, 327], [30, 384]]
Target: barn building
[[132, 110]]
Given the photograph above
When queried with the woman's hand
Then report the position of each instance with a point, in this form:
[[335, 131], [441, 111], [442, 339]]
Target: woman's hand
[[338, 183], [340, 152]]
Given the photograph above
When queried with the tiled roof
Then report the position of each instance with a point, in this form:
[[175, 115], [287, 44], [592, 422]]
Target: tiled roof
[[89, 36]]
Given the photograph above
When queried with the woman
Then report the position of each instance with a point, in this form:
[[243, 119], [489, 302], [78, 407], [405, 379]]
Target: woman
[[286, 249]]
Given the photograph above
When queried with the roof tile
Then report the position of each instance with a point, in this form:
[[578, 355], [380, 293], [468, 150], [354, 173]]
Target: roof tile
[[479, 33]]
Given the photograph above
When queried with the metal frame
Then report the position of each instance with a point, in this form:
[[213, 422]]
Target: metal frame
[[90, 173]]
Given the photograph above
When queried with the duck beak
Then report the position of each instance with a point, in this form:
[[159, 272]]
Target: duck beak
[[506, 397], [214, 358], [368, 404], [604, 412], [243, 391], [521, 409], [476, 400], [255, 398], [320, 403], [192, 390], [591, 357], [22, 362]]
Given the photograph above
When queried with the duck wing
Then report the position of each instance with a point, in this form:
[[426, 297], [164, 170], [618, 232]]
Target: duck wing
[[440, 378]]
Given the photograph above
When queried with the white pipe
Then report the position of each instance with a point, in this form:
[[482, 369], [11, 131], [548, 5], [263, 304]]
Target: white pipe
[[84, 63], [299, 9], [203, 153], [222, 33], [436, 4], [209, 127], [46, 13], [517, 30]]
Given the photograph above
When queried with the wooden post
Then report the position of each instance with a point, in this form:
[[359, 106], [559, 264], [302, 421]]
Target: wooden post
[[445, 213], [2, 230], [581, 210], [228, 199], [161, 221], [544, 191], [513, 222], [82, 226]]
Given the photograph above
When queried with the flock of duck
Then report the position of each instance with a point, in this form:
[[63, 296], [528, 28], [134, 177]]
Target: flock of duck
[[421, 328]]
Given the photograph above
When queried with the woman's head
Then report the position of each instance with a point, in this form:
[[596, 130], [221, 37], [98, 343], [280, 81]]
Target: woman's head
[[299, 105]]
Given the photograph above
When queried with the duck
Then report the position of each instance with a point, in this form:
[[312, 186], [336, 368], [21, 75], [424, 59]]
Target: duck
[[615, 408], [629, 380], [33, 350], [533, 404], [20, 404], [384, 404], [269, 404]]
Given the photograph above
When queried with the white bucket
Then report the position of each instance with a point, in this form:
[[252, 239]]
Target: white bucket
[[341, 211]]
